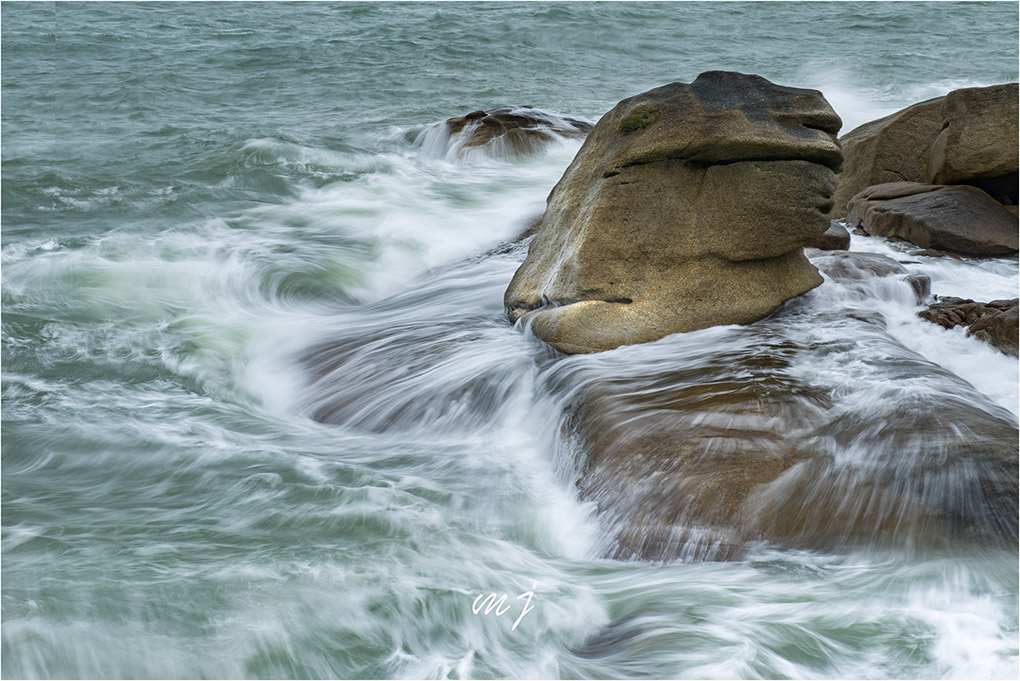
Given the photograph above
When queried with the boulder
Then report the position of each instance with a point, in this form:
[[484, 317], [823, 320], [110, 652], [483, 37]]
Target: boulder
[[521, 130], [686, 207], [995, 322], [835, 238], [967, 137], [978, 141], [890, 149], [956, 218]]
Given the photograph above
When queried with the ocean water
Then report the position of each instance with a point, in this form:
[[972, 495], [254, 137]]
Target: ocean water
[[222, 221]]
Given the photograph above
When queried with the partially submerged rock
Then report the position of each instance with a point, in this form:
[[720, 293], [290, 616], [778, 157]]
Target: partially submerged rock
[[994, 322], [957, 218], [671, 458], [687, 207], [520, 130], [835, 238], [696, 453], [857, 265]]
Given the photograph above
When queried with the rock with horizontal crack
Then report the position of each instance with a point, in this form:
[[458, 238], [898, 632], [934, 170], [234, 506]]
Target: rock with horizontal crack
[[688, 206]]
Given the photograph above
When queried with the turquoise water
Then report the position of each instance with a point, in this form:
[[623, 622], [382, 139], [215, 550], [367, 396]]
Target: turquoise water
[[195, 196]]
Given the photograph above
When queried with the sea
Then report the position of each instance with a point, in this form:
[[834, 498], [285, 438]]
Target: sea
[[197, 198]]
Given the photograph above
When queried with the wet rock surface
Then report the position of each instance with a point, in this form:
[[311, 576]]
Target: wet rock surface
[[522, 130], [704, 451], [994, 322]]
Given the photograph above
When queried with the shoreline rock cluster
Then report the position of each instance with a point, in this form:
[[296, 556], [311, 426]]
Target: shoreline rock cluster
[[689, 206]]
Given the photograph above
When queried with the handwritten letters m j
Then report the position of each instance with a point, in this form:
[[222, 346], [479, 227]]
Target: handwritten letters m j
[[494, 603]]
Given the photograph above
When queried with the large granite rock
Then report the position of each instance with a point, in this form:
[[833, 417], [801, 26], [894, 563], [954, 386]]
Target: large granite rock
[[890, 149], [686, 207], [994, 322], [517, 130], [967, 137], [957, 218], [978, 142]]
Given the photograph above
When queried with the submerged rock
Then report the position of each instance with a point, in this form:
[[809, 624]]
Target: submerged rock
[[857, 265], [687, 207], [696, 453], [672, 457], [995, 322], [957, 218]]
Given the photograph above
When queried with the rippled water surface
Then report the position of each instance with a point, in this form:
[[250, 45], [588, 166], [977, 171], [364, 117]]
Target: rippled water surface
[[263, 415]]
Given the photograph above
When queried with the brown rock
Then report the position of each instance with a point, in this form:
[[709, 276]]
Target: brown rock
[[836, 238], [687, 207], [696, 457], [523, 130], [890, 149], [672, 457], [978, 141], [955, 218], [857, 265], [995, 322]]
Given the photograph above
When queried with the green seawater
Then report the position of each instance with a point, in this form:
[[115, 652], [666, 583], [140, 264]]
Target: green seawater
[[196, 194]]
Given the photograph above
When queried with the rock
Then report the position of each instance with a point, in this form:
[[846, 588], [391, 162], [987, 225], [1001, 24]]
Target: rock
[[978, 141], [967, 137], [673, 455], [955, 218], [687, 207], [857, 265], [836, 238], [921, 285], [995, 322], [523, 130], [922, 470], [890, 149], [696, 453]]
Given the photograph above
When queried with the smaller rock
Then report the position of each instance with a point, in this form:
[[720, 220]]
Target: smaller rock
[[523, 128], [994, 322], [835, 238], [921, 283], [857, 265], [954, 218]]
